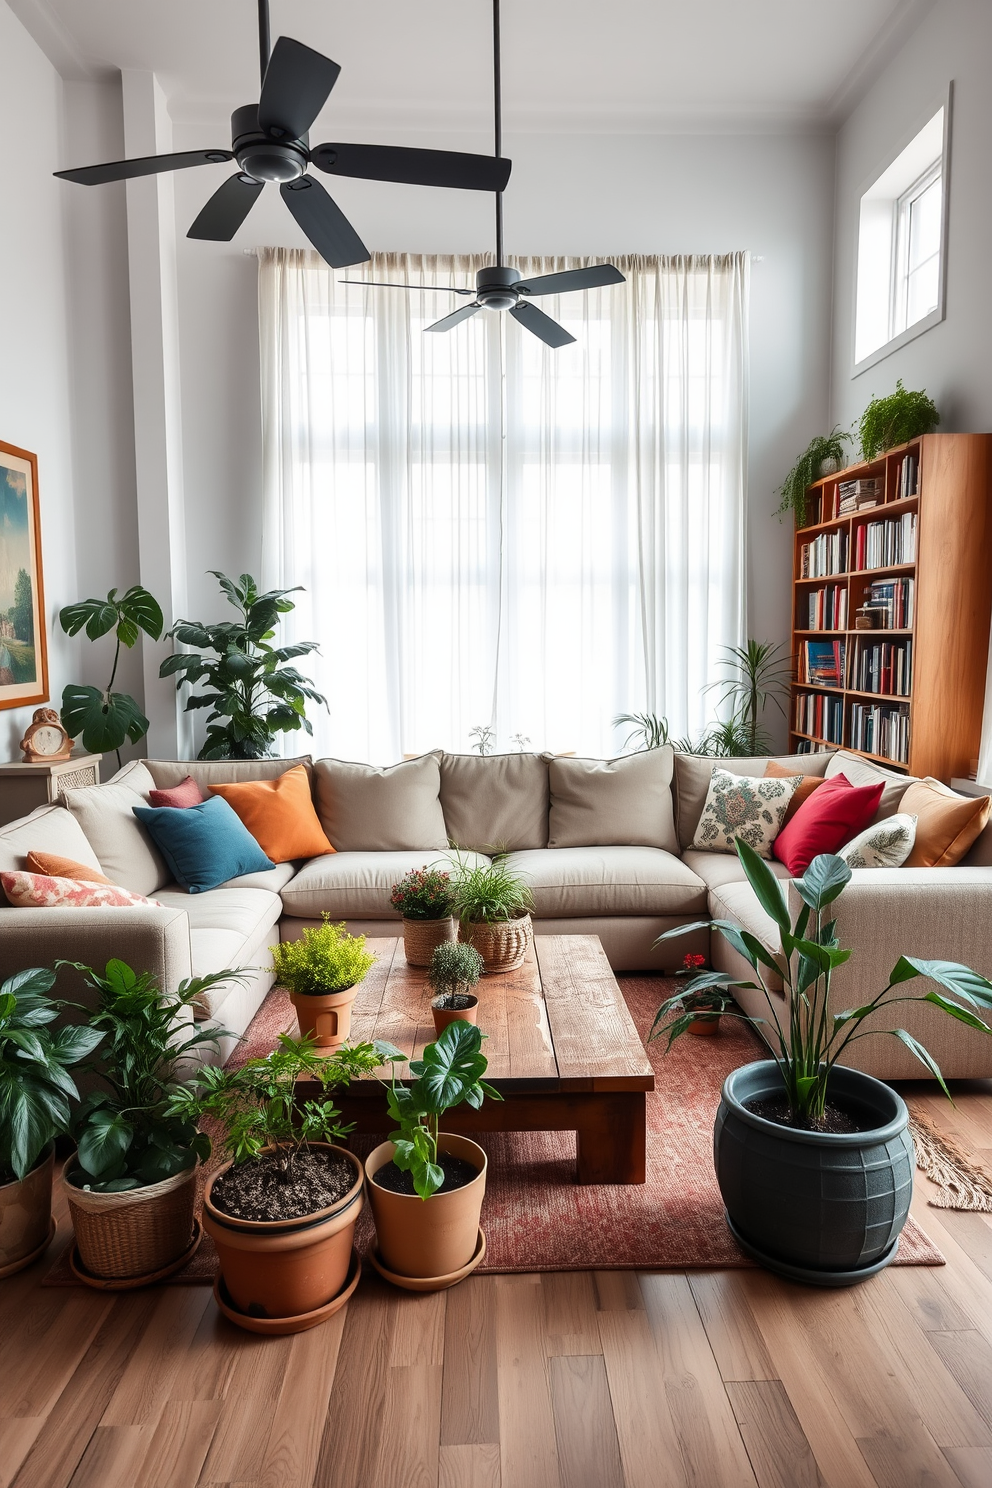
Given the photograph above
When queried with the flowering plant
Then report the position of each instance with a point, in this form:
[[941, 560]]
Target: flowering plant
[[423, 894], [697, 1001]]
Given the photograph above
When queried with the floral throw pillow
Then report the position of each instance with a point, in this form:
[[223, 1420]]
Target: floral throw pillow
[[40, 891], [886, 844], [750, 807]]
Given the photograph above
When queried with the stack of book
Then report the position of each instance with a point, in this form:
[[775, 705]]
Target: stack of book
[[822, 663], [880, 729], [882, 544], [885, 667], [858, 495], [909, 474], [828, 608], [820, 716], [825, 555], [890, 603]]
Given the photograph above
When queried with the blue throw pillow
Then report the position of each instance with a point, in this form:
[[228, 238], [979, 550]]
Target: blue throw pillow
[[203, 845]]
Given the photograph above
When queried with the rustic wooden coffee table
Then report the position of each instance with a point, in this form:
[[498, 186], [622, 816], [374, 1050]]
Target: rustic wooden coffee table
[[562, 1048]]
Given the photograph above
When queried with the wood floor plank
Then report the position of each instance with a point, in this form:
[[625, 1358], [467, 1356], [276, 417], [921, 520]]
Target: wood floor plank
[[418, 1335], [160, 1356], [44, 1344], [113, 1457], [968, 1357], [780, 1455], [180, 1443], [470, 1391], [18, 1435], [409, 1428], [588, 1450], [570, 1306], [618, 1291], [348, 1448], [239, 1444], [469, 1466], [734, 1336], [210, 1359], [527, 1443], [297, 1430], [649, 1447], [972, 1465]]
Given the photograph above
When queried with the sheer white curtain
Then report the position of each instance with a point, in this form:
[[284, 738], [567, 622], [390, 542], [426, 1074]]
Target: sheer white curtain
[[493, 533]]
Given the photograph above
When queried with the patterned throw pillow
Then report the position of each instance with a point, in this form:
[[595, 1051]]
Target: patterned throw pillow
[[886, 844], [40, 891], [750, 807]]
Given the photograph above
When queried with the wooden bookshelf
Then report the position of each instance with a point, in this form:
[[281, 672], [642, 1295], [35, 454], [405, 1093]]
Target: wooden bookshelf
[[948, 631]]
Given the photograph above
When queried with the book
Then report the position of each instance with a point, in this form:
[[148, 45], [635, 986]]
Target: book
[[822, 662]]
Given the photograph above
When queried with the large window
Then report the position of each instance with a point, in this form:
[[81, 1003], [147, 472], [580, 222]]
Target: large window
[[492, 533]]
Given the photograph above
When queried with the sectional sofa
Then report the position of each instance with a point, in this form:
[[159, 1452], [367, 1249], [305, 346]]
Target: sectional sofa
[[605, 845]]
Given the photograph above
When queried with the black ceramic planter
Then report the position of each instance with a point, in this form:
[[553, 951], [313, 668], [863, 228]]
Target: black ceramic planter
[[815, 1206]]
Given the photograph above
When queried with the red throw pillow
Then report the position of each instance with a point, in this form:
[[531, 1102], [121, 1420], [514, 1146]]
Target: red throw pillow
[[186, 793], [833, 814]]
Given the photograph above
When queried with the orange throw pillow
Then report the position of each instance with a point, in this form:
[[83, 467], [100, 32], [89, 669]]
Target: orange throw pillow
[[52, 866], [279, 814], [803, 790], [946, 823]]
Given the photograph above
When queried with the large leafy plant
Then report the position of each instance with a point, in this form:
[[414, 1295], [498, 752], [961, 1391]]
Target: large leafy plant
[[35, 1088], [812, 1038], [252, 692], [126, 1133], [449, 1074], [103, 719], [895, 419], [324, 959], [807, 469]]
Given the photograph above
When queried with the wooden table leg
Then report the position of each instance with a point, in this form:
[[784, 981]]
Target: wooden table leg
[[611, 1140]]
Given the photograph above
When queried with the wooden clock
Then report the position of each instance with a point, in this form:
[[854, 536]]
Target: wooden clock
[[45, 739]]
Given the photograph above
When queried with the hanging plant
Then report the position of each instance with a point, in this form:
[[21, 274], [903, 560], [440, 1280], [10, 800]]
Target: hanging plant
[[807, 469], [895, 420]]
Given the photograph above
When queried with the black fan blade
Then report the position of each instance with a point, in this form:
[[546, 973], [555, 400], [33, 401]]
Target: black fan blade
[[434, 288], [297, 82], [146, 165], [541, 325], [324, 223], [455, 318], [414, 167], [594, 277], [226, 210]]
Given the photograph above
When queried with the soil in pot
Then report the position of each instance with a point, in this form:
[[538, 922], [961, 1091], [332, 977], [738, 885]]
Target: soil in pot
[[457, 1172], [835, 1118], [265, 1190]]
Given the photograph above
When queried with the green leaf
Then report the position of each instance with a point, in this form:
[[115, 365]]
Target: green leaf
[[98, 615], [826, 958], [766, 886], [427, 1178], [957, 1011], [103, 1141], [141, 609], [959, 979], [72, 1044], [923, 1055], [823, 881], [102, 720]]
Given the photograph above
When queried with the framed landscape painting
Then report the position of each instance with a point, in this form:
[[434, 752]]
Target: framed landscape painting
[[23, 648]]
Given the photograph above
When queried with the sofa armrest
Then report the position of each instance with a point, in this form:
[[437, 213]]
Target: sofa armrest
[[153, 939]]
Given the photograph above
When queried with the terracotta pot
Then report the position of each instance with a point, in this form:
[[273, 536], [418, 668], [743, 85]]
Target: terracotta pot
[[325, 1016], [706, 1026], [502, 944], [428, 1237], [421, 938], [139, 1232], [26, 1216], [285, 1267], [443, 1016]]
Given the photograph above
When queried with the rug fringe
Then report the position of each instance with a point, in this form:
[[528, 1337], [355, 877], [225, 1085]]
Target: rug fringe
[[962, 1182]]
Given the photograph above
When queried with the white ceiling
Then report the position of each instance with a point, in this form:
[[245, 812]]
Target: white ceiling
[[568, 64]]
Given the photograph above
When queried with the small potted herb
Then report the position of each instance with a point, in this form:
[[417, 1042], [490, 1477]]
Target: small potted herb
[[695, 1011], [902, 416], [132, 1184], [35, 1091], [424, 898], [426, 1186], [493, 906], [282, 1210], [454, 970], [322, 972]]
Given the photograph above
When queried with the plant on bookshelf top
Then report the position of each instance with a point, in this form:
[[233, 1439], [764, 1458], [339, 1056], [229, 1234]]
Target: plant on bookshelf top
[[824, 447], [902, 416]]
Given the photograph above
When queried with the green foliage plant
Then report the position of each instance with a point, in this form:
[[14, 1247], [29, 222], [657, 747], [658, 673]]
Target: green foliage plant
[[485, 893], [455, 969], [449, 1074], [35, 1088], [423, 894], [324, 959], [104, 719], [807, 469], [646, 730], [893, 420], [759, 673], [125, 1132], [808, 1040], [252, 693]]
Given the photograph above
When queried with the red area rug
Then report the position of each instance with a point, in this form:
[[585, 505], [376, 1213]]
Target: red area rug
[[537, 1218]]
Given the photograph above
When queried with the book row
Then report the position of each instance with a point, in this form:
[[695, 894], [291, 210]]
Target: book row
[[822, 663], [880, 729], [881, 544], [891, 603], [820, 716], [827, 608], [826, 554], [885, 667]]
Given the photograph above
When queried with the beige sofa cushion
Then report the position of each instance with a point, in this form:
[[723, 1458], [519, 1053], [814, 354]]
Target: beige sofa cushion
[[377, 808], [169, 773], [350, 885], [611, 803], [567, 881], [692, 780], [495, 802], [228, 928], [49, 829], [717, 869], [865, 772], [123, 847]]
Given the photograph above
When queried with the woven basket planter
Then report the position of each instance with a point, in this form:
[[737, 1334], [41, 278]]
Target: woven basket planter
[[502, 944], [421, 938], [135, 1233]]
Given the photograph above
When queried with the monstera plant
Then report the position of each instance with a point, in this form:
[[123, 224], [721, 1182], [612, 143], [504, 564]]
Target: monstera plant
[[103, 718]]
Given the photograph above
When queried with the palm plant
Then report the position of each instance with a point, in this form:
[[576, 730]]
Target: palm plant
[[647, 730], [759, 673]]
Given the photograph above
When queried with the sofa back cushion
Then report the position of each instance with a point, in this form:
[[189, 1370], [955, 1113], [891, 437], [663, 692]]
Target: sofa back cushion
[[381, 808], [693, 773], [49, 829], [865, 772], [495, 801], [608, 803], [170, 773], [124, 849]]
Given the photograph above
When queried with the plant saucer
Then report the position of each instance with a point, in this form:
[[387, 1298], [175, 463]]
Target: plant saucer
[[807, 1275], [432, 1283], [27, 1259], [275, 1327], [131, 1283]]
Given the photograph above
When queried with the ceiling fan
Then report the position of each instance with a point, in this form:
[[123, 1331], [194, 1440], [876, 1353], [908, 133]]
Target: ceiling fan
[[269, 141], [499, 287]]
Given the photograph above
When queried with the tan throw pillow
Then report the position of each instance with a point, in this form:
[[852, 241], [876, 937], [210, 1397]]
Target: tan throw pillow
[[377, 808], [106, 815], [947, 824], [807, 785], [860, 771], [495, 801], [624, 802], [746, 807]]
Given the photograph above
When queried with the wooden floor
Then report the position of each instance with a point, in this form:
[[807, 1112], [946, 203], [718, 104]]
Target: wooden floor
[[711, 1379]]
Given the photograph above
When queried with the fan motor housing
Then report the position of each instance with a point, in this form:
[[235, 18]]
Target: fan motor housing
[[262, 157], [495, 288]]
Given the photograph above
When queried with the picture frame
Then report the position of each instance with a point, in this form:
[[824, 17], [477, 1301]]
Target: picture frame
[[23, 636]]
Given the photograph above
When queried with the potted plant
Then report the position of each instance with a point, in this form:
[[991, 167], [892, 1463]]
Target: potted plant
[[797, 1134], [696, 1011], [424, 898], [322, 972], [493, 906], [454, 970], [102, 718], [35, 1091], [282, 1210], [132, 1183], [822, 456], [893, 420], [426, 1186]]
